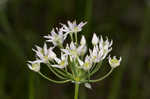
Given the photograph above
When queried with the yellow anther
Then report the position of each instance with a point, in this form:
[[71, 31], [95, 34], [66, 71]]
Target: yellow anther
[[62, 63], [114, 61]]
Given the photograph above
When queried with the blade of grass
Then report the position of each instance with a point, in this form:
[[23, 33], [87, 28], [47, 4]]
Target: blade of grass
[[117, 78], [135, 91], [2, 81], [31, 86]]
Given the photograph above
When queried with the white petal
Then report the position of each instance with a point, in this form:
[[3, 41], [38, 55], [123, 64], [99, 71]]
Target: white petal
[[87, 85], [53, 32], [70, 25], [45, 49], [87, 58], [38, 48], [80, 62], [111, 43], [120, 59], [57, 66], [47, 37], [82, 50], [65, 51], [57, 60], [30, 67], [101, 43], [95, 51], [72, 46], [114, 57], [62, 56], [51, 54], [74, 24], [40, 55], [37, 61], [109, 58], [60, 32], [95, 39], [82, 24], [83, 41], [64, 28]]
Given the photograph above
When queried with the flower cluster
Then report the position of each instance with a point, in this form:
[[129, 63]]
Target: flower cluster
[[74, 61]]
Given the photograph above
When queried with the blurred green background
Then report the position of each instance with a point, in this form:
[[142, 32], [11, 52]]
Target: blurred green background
[[23, 23]]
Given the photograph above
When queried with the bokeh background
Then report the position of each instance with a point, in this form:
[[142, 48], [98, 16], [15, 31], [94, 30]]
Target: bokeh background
[[23, 23]]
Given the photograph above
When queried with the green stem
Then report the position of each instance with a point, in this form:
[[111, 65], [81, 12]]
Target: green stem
[[63, 73], [31, 86], [100, 79], [71, 36], [76, 90], [97, 67], [59, 76], [59, 82], [67, 72], [76, 37]]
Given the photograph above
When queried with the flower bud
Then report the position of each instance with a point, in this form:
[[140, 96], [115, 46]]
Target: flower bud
[[95, 39]]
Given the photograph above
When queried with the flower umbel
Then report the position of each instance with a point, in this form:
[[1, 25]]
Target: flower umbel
[[74, 61]]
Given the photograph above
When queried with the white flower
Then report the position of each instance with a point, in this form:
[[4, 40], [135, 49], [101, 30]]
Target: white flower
[[73, 27], [75, 51], [61, 63], [96, 54], [82, 48], [87, 85], [114, 62], [105, 46], [83, 40], [34, 65], [100, 50], [45, 54], [95, 39], [71, 50], [56, 38], [87, 64]]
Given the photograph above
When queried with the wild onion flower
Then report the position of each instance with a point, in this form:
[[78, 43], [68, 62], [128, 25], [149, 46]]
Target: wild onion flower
[[74, 51], [73, 27], [114, 62], [96, 54], [95, 39], [61, 63], [73, 62], [56, 38], [105, 46], [44, 54], [87, 64], [34, 65]]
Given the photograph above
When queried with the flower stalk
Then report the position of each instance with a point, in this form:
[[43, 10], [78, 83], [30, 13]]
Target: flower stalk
[[76, 91], [101, 78], [51, 80]]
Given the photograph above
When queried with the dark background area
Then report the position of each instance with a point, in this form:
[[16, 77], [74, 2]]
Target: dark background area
[[23, 23]]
